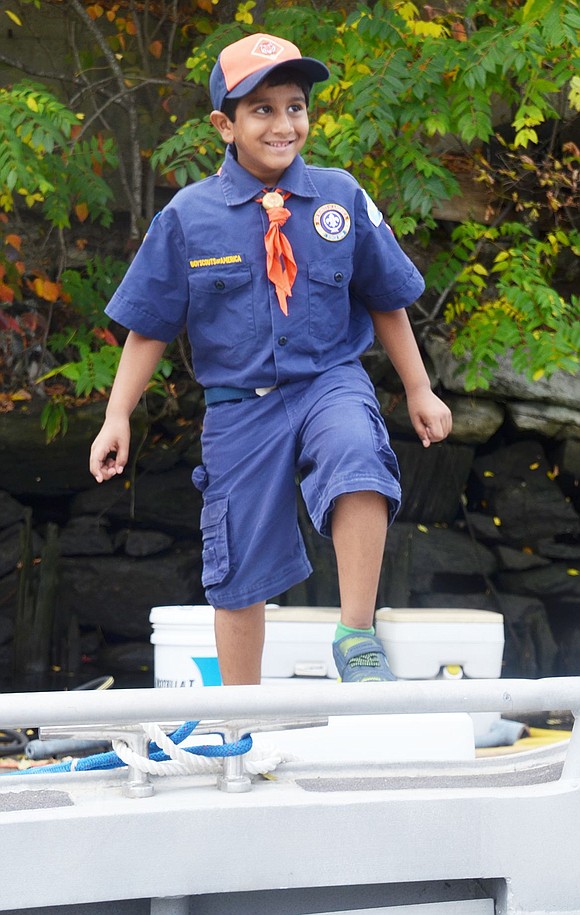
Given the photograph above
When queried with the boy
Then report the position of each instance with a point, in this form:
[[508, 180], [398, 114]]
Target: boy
[[282, 274]]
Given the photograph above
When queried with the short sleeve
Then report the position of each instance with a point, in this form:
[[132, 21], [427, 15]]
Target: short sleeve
[[152, 298], [385, 278]]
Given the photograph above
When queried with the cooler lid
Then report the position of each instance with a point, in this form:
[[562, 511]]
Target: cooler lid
[[438, 615], [183, 615], [302, 614]]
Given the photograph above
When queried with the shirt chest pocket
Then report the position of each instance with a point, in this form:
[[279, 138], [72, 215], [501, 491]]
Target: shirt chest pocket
[[328, 298], [221, 302]]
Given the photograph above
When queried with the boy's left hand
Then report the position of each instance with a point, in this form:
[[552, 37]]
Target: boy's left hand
[[431, 418]]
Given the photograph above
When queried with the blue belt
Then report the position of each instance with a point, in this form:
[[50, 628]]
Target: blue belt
[[224, 394]]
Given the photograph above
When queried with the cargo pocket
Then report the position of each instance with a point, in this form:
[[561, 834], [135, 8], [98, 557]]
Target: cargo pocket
[[382, 443], [214, 528]]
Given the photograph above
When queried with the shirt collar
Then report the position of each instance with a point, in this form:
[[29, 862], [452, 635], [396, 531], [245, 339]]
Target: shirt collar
[[239, 185]]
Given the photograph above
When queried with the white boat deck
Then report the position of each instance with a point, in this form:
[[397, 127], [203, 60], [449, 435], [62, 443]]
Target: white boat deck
[[491, 836]]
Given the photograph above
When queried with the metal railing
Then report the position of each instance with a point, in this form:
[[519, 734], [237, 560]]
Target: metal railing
[[241, 709]]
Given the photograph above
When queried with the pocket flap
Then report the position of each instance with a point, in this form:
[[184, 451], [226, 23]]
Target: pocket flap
[[220, 281], [335, 273], [213, 512]]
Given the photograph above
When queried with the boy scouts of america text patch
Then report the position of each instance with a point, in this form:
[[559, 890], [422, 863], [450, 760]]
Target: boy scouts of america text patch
[[332, 222]]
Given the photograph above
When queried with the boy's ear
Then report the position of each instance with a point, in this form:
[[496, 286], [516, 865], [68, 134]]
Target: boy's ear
[[223, 125]]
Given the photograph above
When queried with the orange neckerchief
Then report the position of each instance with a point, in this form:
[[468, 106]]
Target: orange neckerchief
[[281, 266]]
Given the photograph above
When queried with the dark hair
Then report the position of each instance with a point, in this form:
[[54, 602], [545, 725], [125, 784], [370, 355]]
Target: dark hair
[[284, 76]]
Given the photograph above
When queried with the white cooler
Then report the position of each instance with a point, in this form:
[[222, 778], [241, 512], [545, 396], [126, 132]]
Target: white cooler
[[299, 642], [424, 643]]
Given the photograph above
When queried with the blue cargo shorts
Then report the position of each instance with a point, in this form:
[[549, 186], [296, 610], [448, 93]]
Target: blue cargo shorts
[[326, 433]]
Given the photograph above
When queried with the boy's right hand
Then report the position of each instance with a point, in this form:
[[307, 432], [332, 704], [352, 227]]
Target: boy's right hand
[[110, 449]]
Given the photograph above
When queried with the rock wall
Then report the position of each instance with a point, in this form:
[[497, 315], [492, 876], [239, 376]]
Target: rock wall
[[490, 519]]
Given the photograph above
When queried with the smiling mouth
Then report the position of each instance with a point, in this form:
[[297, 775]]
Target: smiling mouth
[[280, 144]]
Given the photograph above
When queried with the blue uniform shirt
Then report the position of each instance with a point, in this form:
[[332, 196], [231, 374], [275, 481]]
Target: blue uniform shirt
[[202, 266]]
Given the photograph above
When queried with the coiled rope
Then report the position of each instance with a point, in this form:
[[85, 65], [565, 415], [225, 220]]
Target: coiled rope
[[165, 757]]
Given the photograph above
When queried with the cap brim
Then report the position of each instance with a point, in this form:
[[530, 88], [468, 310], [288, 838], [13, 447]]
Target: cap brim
[[314, 70]]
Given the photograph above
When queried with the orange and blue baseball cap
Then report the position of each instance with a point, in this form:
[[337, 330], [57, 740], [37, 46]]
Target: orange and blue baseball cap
[[245, 63]]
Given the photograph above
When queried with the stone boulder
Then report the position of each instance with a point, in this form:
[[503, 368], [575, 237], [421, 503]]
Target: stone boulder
[[520, 490], [117, 593], [561, 388]]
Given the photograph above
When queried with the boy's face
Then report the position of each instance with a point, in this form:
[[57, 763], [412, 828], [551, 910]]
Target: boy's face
[[269, 131]]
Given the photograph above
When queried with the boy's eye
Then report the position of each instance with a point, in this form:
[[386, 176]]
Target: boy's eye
[[295, 108]]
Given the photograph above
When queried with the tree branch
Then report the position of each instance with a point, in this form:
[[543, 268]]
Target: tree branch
[[136, 188]]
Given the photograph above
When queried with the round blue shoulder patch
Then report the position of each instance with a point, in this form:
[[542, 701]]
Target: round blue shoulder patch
[[332, 222]]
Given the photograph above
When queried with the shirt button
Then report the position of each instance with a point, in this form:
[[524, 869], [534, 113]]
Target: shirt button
[[339, 277], [282, 341], [219, 284]]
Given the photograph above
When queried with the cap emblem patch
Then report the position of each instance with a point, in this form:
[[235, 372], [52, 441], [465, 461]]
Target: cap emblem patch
[[267, 48], [332, 222]]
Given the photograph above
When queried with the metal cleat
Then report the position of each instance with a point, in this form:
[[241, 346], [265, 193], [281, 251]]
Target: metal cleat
[[234, 779]]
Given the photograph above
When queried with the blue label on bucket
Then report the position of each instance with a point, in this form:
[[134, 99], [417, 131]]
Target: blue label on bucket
[[209, 670]]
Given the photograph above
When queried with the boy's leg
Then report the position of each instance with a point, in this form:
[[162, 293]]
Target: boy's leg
[[350, 483], [359, 531], [240, 642]]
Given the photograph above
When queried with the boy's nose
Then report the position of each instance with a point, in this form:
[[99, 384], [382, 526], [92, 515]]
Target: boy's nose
[[282, 123]]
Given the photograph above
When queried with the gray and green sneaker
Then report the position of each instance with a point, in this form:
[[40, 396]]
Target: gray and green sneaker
[[361, 659]]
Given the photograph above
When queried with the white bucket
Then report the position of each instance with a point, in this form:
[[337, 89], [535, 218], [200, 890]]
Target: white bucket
[[184, 646]]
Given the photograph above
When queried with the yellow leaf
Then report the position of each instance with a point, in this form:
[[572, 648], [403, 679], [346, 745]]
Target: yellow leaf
[[21, 395], [81, 211], [574, 94], [427, 29], [32, 103], [497, 521], [407, 11], [573, 572], [488, 473], [479, 268], [13, 16], [535, 465], [422, 528]]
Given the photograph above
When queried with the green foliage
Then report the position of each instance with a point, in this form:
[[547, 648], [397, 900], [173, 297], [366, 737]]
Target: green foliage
[[121, 75], [91, 289], [92, 371], [416, 101], [190, 154], [403, 91], [41, 163], [92, 350], [54, 419], [399, 84], [504, 300]]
